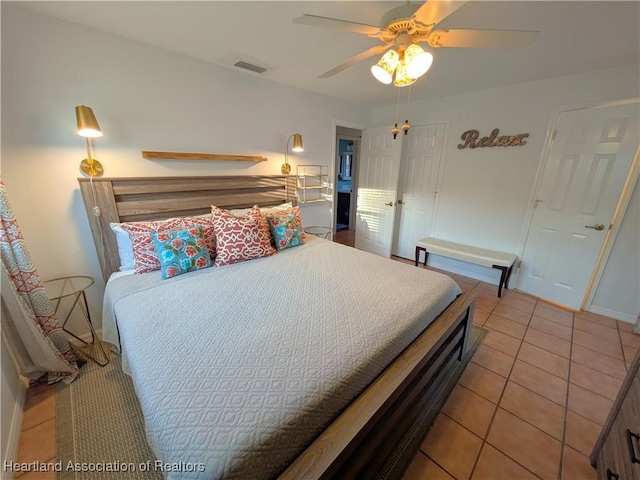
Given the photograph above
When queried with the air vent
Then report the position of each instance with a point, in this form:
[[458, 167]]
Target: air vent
[[250, 66]]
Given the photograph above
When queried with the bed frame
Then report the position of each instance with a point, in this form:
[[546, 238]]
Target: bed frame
[[377, 435]]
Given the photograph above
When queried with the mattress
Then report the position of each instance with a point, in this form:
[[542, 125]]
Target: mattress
[[239, 368]]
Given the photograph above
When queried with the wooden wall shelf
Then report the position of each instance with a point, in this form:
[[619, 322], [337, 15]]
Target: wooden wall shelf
[[202, 156]]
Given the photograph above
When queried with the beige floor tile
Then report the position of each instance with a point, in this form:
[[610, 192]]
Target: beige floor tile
[[629, 354], [495, 465], [502, 342], [39, 408], [480, 317], [594, 317], [552, 328], [630, 339], [464, 285], [494, 360], [518, 303], [602, 363], [623, 326], [554, 313], [545, 360], [548, 342], [581, 433], [489, 289], [576, 466], [423, 468], [485, 304], [594, 342], [38, 443], [588, 404], [470, 410], [595, 381], [445, 433], [484, 382], [543, 383], [519, 295], [506, 326], [527, 445], [534, 409], [512, 314], [603, 331]]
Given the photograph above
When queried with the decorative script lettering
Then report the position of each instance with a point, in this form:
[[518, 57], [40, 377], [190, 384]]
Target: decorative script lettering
[[471, 140]]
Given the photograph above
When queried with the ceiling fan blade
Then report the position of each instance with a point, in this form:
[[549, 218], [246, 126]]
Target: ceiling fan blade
[[335, 23], [353, 60], [434, 11], [482, 38]]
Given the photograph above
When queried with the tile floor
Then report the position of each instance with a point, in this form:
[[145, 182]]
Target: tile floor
[[529, 405], [533, 399]]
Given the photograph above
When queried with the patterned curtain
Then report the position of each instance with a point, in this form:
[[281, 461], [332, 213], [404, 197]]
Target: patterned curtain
[[29, 324]]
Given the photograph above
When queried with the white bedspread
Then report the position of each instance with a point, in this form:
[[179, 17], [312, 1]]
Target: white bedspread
[[239, 368]]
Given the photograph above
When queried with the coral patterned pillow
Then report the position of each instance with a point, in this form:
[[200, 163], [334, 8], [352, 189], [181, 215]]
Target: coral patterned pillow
[[240, 238], [204, 222], [286, 231], [145, 257], [181, 251]]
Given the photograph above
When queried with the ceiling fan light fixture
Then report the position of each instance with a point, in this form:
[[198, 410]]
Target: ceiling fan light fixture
[[417, 60], [383, 70], [402, 79]]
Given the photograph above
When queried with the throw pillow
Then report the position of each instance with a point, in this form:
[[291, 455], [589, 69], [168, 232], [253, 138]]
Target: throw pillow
[[181, 251], [240, 238]]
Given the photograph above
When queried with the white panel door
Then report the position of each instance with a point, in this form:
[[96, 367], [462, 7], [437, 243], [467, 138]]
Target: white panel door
[[378, 171], [417, 190], [586, 168]]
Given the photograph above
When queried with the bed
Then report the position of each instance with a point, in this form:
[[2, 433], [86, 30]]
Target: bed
[[310, 363]]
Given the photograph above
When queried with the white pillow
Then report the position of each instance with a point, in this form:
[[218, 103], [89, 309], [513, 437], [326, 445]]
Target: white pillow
[[125, 249], [241, 212]]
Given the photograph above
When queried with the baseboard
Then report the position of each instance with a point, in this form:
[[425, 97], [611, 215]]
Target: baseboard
[[625, 317], [11, 452]]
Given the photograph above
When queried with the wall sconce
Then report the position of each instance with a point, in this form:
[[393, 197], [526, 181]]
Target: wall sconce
[[88, 128], [297, 147]]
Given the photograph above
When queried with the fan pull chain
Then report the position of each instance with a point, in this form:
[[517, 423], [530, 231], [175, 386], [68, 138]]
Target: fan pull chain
[[405, 125], [395, 129]]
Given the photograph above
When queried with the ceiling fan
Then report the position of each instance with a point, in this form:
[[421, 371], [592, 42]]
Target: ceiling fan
[[403, 28]]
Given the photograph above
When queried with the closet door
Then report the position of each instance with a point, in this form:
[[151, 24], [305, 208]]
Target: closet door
[[378, 171], [418, 187]]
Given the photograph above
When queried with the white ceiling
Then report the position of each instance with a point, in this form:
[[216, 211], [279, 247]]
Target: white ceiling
[[574, 37]]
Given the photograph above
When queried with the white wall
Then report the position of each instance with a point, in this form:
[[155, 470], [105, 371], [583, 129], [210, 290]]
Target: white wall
[[485, 192], [144, 98], [618, 293]]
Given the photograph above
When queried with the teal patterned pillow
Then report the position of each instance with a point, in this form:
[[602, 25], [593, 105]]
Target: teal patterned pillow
[[286, 230], [181, 251]]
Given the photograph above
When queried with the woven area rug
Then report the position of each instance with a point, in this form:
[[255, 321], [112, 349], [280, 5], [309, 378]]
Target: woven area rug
[[100, 428]]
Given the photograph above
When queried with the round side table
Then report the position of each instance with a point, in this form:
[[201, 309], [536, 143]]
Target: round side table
[[318, 231], [74, 287]]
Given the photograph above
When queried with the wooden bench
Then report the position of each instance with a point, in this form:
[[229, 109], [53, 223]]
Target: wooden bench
[[479, 256]]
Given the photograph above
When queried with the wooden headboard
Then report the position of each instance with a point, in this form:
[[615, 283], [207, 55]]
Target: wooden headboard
[[135, 199]]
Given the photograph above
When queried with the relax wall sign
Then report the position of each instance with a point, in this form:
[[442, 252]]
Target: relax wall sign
[[471, 140]]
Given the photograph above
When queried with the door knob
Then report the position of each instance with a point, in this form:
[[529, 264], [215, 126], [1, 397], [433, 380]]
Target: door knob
[[390, 204], [597, 226], [400, 202]]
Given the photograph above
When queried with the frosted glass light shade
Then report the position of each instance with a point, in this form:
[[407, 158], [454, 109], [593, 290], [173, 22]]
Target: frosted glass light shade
[[417, 60], [383, 70], [402, 79]]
